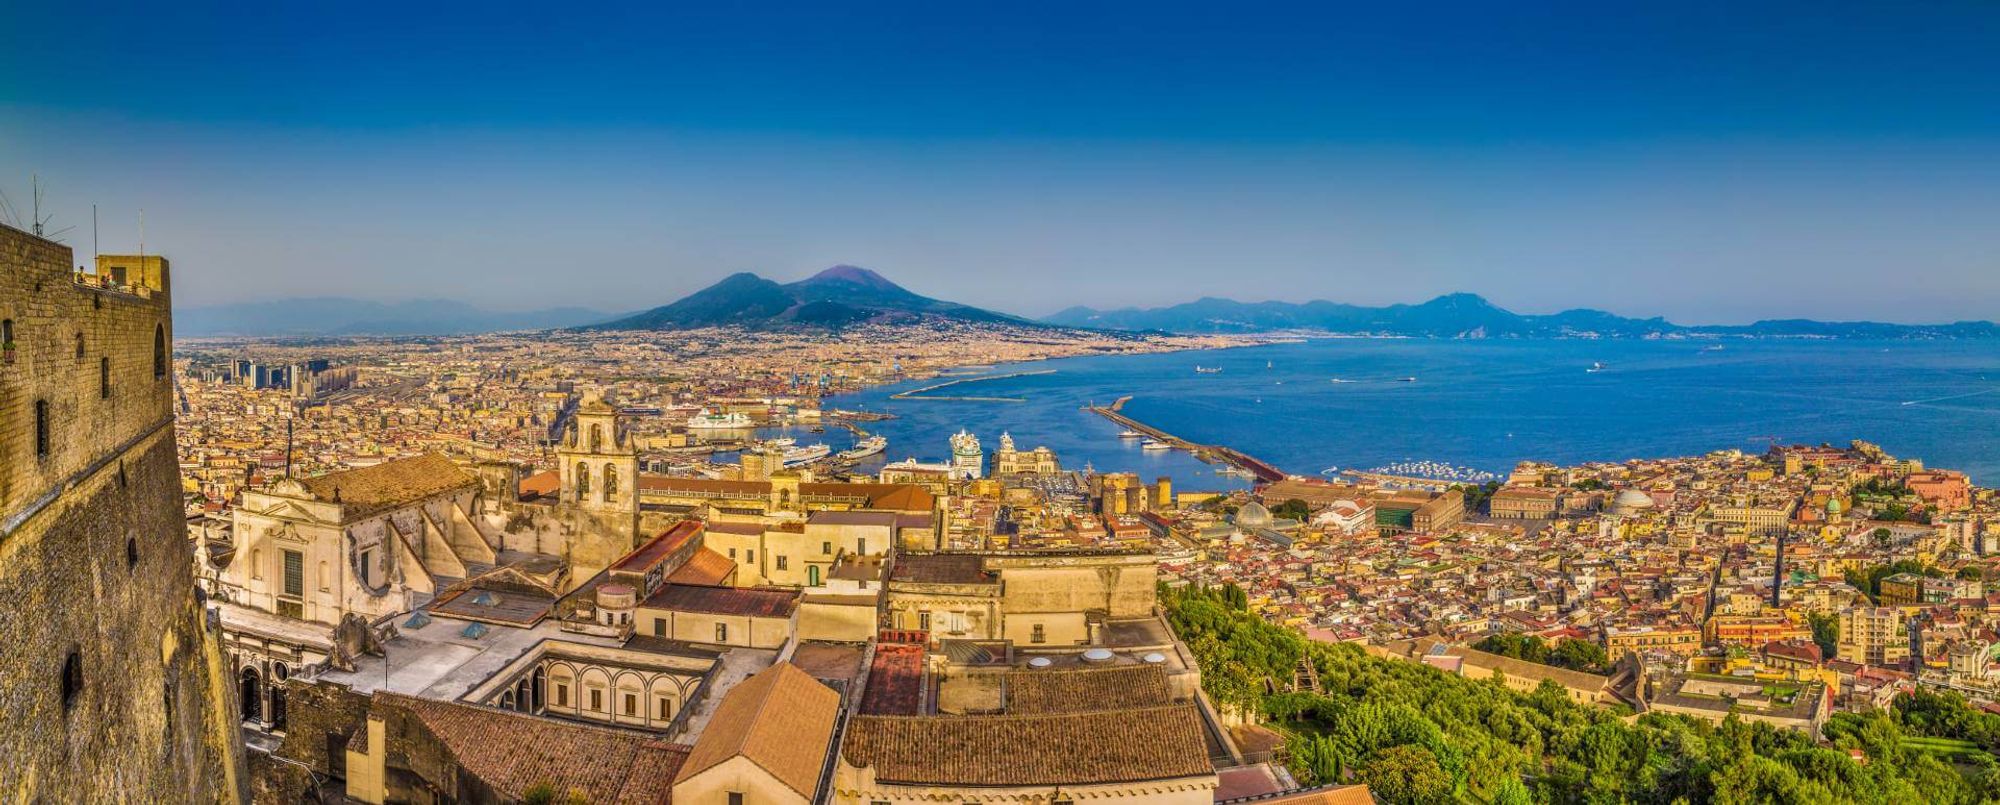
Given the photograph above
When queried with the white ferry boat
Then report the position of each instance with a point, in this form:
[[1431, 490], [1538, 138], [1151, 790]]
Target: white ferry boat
[[1129, 434], [1155, 444], [865, 448], [806, 455], [708, 420]]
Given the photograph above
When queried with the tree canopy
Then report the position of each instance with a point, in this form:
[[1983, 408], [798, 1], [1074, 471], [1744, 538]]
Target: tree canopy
[[1415, 734]]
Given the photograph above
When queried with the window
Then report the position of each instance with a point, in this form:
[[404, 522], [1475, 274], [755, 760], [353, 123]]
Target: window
[[663, 707], [631, 704], [659, 627], [131, 552], [749, 556], [7, 339], [295, 574], [256, 563], [582, 480], [861, 545], [722, 633], [159, 351], [924, 621], [104, 378], [1040, 634], [781, 563], [610, 481], [732, 554], [562, 695], [735, 798], [41, 429], [826, 548], [79, 346], [368, 568], [72, 678], [596, 699], [597, 438]]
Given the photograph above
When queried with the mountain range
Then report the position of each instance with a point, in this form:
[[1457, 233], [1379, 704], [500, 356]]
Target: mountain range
[[340, 316], [837, 297], [1464, 315]]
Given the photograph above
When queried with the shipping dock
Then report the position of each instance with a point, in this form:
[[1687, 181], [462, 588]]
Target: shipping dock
[[1213, 454]]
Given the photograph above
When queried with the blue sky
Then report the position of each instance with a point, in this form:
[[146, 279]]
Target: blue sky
[[1713, 164]]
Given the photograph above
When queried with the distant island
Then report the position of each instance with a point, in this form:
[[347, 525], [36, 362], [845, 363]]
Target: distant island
[[1465, 315]]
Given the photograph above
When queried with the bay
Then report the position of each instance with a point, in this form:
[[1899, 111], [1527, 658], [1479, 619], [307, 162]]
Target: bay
[[1481, 404]]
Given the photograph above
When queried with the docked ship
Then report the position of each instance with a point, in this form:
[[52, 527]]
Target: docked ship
[[1129, 434], [708, 420], [1155, 444], [865, 448], [794, 456]]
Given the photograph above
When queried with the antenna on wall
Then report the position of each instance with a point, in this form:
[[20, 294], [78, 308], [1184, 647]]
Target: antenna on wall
[[40, 223]]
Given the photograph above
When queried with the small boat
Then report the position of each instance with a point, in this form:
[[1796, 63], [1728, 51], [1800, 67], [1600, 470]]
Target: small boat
[[1406, 380], [1155, 444], [1595, 368], [1342, 380], [1129, 434], [1207, 370], [1712, 348]]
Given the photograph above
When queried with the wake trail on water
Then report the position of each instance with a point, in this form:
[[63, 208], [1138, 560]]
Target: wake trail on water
[[1952, 397]]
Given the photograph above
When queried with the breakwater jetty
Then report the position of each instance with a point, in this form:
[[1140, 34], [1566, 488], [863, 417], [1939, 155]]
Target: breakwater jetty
[[925, 393], [1210, 453]]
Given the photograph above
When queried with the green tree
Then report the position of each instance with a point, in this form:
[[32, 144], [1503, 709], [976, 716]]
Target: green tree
[[1825, 631], [1407, 774]]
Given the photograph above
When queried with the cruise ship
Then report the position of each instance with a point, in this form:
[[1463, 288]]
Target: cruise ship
[[707, 420], [865, 448], [808, 454]]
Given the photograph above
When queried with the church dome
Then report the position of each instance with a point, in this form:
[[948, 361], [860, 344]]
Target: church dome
[[1631, 501], [1253, 515]]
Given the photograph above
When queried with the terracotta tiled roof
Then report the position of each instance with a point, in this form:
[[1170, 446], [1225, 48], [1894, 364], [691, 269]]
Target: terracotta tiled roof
[[642, 558], [705, 567], [539, 484], [895, 681], [390, 484], [756, 603], [1112, 746], [780, 719], [514, 752], [1085, 689]]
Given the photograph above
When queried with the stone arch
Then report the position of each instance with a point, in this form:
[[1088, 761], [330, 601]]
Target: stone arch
[[662, 689], [629, 683], [582, 480], [610, 481], [565, 693], [596, 438], [594, 678], [251, 689]]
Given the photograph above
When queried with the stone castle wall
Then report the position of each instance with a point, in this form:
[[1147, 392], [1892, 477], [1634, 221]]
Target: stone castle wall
[[112, 686]]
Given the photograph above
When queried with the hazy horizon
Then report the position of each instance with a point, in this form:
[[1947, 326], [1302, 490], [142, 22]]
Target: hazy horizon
[[1707, 166]]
